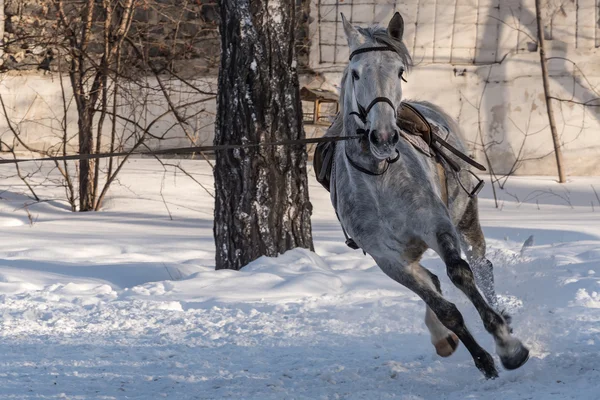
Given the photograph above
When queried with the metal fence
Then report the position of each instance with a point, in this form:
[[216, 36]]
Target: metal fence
[[461, 31]]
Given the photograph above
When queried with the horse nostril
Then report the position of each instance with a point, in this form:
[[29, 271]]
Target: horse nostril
[[373, 138], [395, 137]]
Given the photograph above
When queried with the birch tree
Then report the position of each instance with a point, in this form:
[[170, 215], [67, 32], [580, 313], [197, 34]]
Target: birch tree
[[261, 200]]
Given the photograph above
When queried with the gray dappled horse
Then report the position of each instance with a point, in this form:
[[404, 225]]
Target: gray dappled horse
[[392, 202]]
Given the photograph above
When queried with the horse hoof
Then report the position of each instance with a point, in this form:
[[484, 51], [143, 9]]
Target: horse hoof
[[447, 346], [516, 358], [486, 365], [490, 373], [508, 319]]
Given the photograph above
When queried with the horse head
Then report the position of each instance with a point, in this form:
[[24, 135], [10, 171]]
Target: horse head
[[372, 84]]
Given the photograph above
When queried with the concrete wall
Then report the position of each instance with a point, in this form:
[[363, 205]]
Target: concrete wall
[[35, 107]]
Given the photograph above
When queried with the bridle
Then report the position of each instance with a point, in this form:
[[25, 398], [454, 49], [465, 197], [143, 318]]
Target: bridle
[[363, 112]]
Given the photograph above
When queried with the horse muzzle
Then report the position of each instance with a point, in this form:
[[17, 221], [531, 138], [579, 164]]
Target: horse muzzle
[[383, 144]]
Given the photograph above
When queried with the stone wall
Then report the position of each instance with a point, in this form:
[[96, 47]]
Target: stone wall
[[183, 32]]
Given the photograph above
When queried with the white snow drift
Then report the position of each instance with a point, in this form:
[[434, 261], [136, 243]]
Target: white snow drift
[[125, 303]]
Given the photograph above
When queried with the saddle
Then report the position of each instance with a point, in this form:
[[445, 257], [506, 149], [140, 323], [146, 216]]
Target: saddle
[[415, 128]]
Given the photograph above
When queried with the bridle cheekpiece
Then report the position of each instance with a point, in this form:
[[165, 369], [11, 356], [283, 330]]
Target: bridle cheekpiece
[[363, 112]]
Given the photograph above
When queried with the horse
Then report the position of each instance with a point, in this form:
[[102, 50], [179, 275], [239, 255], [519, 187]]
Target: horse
[[395, 202]]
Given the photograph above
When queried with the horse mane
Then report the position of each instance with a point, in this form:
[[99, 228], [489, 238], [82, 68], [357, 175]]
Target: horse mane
[[379, 35], [337, 126]]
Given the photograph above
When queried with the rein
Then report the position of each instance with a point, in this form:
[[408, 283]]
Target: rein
[[182, 150], [366, 171]]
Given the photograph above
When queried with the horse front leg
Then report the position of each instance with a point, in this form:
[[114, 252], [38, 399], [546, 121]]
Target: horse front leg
[[512, 352], [411, 276]]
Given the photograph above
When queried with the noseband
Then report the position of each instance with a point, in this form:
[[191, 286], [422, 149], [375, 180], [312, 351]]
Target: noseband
[[363, 112]]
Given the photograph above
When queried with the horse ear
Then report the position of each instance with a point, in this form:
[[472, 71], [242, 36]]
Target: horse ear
[[396, 27], [354, 37]]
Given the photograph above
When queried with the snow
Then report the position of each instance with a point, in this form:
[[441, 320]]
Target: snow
[[126, 303]]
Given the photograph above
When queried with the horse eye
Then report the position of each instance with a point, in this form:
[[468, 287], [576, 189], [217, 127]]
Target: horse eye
[[355, 75], [400, 74]]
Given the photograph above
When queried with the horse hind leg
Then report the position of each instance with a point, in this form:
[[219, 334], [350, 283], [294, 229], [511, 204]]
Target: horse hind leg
[[512, 352], [473, 242], [444, 340], [474, 246]]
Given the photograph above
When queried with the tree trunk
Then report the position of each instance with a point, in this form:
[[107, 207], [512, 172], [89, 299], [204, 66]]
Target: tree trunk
[[545, 80], [86, 167], [261, 200]]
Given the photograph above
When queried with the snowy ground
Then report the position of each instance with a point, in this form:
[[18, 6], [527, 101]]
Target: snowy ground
[[125, 304]]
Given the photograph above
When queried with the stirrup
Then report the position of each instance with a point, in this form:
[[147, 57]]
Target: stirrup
[[477, 188]]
